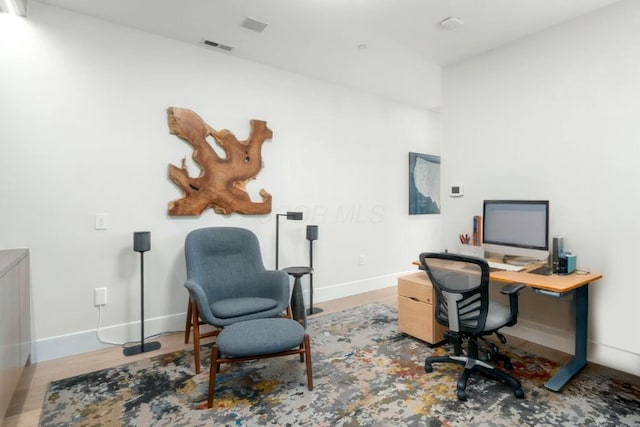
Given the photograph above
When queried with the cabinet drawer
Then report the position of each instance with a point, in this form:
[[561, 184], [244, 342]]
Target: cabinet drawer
[[416, 319], [416, 286]]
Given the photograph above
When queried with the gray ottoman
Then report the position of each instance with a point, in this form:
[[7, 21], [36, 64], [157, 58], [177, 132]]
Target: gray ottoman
[[259, 339]]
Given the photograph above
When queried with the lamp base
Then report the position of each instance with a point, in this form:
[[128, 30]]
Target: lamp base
[[142, 348], [314, 310]]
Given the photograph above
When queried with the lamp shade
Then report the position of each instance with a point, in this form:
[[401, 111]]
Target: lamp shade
[[141, 241], [296, 216]]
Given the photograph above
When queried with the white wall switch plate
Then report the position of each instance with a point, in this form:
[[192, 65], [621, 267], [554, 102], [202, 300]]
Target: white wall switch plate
[[102, 221]]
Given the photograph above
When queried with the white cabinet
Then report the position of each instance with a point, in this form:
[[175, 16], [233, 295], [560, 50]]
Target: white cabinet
[[15, 321]]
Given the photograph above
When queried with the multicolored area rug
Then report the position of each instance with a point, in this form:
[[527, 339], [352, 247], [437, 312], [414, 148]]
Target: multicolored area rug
[[365, 374]]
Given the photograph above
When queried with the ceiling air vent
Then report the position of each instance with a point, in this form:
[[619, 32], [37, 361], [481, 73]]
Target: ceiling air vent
[[218, 45], [254, 25]]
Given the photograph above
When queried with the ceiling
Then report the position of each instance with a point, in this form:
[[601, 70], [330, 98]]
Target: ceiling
[[392, 48]]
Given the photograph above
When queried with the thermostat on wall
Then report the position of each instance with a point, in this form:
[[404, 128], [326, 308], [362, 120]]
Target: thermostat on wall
[[456, 191]]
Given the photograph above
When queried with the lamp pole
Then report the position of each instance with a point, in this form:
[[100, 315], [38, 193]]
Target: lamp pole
[[278, 236], [296, 216]]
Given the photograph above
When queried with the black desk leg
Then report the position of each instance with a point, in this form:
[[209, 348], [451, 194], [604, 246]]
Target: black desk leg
[[581, 301]]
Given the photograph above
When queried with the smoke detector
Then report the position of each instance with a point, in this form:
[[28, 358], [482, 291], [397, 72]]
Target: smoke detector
[[451, 23]]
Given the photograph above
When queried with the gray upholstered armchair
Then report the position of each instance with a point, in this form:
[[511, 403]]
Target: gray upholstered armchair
[[228, 283]]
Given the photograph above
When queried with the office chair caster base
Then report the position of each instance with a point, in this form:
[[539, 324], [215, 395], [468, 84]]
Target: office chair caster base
[[462, 395], [501, 337], [428, 368], [492, 347], [494, 357], [518, 393]]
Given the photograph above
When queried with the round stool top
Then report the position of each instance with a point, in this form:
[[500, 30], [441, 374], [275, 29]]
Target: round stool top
[[298, 271], [259, 337]]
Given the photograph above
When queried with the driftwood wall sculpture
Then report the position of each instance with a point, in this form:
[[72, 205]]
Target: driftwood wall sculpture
[[222, 181]]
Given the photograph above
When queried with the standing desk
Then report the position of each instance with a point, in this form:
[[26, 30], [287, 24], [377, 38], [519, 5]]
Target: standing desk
[[555, 285]]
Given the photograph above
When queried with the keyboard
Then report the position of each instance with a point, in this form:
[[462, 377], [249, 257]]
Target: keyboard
[[507, 267], [544, 271]]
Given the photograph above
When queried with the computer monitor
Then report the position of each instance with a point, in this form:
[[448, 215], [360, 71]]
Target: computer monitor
[[516, 229]]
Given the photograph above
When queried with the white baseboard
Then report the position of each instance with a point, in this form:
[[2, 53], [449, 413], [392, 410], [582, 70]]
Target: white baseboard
[[558, 339], [355, 287], [615, 358], [538, 333], [85, 341]]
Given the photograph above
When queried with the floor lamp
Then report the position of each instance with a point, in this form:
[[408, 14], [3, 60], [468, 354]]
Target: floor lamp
[[142, 244], [296, 216], [312, 234]]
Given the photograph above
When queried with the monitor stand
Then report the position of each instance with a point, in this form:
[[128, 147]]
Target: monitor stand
[[518, 260]]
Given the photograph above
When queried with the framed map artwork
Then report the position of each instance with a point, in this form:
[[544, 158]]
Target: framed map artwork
[[424, 184]]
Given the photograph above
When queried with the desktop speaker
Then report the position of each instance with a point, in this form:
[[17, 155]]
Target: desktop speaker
[[556, 252]]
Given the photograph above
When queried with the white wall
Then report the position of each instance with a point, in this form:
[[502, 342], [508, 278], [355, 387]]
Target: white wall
[[555, 116], [84, 131]]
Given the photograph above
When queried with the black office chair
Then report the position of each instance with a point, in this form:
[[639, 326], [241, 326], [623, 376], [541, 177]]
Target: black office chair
[[461, 284]]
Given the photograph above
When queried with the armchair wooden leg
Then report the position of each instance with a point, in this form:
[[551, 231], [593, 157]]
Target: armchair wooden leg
[[195, 323], [187, 327]]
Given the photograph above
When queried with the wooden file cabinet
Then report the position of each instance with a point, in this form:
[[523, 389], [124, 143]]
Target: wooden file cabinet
[[416, 301]]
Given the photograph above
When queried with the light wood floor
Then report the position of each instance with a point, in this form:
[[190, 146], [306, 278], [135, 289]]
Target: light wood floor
[[27, 402]]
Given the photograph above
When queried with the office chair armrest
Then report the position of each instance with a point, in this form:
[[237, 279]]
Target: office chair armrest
[[513, 290]]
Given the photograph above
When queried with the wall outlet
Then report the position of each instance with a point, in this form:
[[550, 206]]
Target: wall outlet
[[102, 221], [362, 259], [100, 296]]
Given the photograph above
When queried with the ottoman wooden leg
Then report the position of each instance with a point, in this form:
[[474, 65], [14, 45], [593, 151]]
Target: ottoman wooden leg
[[213, 370]]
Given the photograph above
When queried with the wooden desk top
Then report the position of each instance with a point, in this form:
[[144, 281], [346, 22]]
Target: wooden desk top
[[553, 283]]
